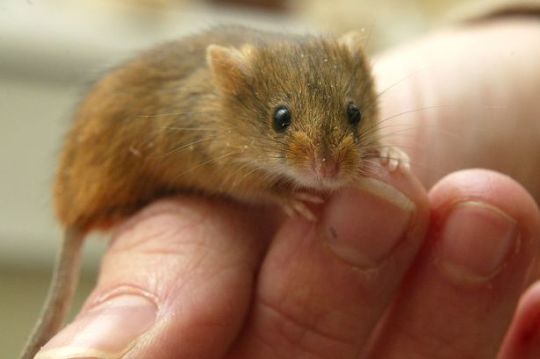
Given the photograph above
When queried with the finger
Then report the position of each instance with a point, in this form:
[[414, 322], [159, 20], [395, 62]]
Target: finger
[[322, 287], [523, 339], [458, 299], [175, 283], [445, 89]]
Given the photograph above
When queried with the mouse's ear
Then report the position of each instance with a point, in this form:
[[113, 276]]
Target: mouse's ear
[[230, 67], [353, 42]]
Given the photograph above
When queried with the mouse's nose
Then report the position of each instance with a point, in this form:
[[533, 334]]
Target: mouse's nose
[[325, 167]]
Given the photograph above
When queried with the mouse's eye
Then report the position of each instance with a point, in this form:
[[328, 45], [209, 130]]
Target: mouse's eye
[[282, 118], [354, 114]]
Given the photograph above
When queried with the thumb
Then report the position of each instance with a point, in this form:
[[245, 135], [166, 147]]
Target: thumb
[[179, 274]]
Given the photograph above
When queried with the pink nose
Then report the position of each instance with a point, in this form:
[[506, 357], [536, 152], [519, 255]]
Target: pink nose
[[325, 168]]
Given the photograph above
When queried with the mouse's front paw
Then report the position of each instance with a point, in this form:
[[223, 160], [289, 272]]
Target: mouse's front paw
[[296, 204], [394, 158]]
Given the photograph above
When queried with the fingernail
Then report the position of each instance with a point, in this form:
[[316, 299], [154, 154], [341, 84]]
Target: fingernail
[[106, 331], [476, 239], [363, 225]]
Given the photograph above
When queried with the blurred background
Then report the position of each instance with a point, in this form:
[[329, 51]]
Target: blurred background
[[50, 50]]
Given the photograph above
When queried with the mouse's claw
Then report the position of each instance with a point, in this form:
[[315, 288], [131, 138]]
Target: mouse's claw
[[394, 158], [308, 197], [300, 208], [295, 204]]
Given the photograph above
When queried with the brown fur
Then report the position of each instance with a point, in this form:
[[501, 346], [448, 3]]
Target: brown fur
[[168, 121]]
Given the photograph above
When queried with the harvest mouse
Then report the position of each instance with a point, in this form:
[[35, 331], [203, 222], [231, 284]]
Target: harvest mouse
[[236, 112]]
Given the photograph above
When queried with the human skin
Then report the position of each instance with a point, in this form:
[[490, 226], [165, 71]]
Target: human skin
[[470, 96], [193, 278]]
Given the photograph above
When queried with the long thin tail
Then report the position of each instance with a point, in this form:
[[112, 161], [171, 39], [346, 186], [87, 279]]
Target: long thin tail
[[60, 294]]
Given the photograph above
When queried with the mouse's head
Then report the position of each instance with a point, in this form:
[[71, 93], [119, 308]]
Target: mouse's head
[[305, 109]]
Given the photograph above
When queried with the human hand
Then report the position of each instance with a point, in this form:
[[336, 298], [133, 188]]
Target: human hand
[[191, 278]]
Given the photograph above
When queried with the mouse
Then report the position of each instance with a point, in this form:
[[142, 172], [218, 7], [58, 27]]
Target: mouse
[[250, 115]]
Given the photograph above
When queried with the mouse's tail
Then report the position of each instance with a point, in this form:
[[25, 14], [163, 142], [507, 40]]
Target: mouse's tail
[[60, 294]]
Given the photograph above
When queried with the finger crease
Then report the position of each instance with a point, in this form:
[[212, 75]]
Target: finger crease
[[306, 328]]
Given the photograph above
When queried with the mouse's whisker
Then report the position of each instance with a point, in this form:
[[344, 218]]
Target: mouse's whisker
[[160, 131], [366, 169], [396, 83], [367, 137], [283, 144], [265, 175], [406, 112], [433, 107], [400, 146], [407, 131], [171, 114], [175, 127], [278, 156], [396, 127], [369, 131], [265, 172], [400, 81], [187, 132], [190, 129], [370, 34], [178, 149], [204, 163]]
